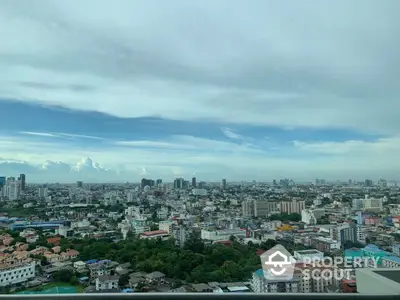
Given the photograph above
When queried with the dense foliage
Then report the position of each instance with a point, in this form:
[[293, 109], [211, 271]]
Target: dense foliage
[[195, 262]]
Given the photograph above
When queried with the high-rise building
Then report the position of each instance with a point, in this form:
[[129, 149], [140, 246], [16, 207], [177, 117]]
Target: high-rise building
[[12, 189], [79, 184], [158, 181], [42, 192], [258, 208], [344, 233], [284, 183], [194, 182], [295, 206], [147, 182], [373, 204], [368, 182], [22, 179], [202, 184], [2, 181], [224, 184], [178, 183]]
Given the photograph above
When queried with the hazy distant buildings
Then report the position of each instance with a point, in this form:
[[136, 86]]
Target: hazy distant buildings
[[202, 185], [223, 184], [79, 184], [199, 192], [372, 204], [368, 182], [146, 182]]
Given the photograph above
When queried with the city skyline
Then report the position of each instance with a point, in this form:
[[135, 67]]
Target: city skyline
[[258, 99]]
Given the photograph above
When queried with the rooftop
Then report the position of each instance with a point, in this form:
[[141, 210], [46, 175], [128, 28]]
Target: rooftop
[[155, 232], [392, 258]]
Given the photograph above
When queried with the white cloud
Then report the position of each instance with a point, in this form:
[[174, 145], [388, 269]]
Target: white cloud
[[44, 134], [231, 134], [60, 135], [43, 160], [261, 69]]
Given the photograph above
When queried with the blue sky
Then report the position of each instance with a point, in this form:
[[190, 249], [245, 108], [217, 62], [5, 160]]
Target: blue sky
[[244, 95]]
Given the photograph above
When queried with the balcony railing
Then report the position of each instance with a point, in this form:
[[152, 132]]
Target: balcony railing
[[206, 296]]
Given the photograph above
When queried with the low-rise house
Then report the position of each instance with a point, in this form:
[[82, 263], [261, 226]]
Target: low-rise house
[[136, 278], [123, 269], [32, 238], [106, 282], [39, 251], [69, 254], [56, 249], [21, 247], [103, 267], [54, 240], [202, 288], [80, 266], [155, 276], [52, 257]]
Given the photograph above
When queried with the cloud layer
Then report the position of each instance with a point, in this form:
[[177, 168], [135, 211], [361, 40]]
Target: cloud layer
[[244, 67], [316, 64], [45, 158]]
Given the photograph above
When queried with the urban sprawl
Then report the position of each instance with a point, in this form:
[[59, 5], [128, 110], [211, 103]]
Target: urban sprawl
[[189, 236]]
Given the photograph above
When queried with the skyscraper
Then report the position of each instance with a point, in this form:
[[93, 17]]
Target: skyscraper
[[2, 181], [22, 179], [224, 184], [178, 183], [194, 182]]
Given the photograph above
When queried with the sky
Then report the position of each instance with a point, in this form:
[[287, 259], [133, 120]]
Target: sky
[[113, 91]]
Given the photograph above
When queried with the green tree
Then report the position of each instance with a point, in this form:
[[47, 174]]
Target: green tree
[[63, 275], [123, 280], [140, 287]]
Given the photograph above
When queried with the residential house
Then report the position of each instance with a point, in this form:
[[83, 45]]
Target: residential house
[[80, 266], [52, 257], [101, 268], [56, 249], [123, 269], [69, 254], [39, 251], [32, 238], [21, 247], [54, 240], [136, 278], [155, 277], [106, 282]]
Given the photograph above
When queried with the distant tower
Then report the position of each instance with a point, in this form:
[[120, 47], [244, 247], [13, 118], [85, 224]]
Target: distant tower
[[224, 184], [79, 184], [194, 182], [22, 179]]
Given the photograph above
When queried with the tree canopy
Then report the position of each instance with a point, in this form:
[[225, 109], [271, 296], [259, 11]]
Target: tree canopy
[[195, 262]]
